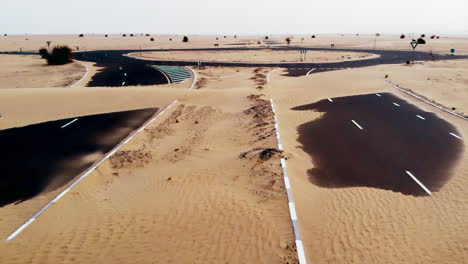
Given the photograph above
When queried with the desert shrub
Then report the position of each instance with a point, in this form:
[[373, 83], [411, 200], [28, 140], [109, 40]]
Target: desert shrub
[[407, 62], [44, 53], [217, 38], [131, 35], [423, 35], [421, 41], [60, 55], [124, 35], [258, 42], [151, 39], [147, 35], [170, 39], [106, 36], [313, 36], [5, 35], [288, 40], [433, 36], [81, 35], [225, 37], [235, 36], [266, 37], [402, 36], [437, 37], [185, 39]]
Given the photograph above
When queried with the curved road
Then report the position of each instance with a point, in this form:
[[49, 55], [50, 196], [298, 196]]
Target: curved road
[[121, 70]]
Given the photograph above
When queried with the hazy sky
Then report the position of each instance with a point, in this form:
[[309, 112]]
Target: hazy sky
[[233, 17]]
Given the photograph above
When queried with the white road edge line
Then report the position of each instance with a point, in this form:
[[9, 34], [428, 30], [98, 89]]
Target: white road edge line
[[268, 75], [14, 234], [396, 104], [378, 95], [69, 123], [310, 71], [123, 83], [357, 124], [194, 78], [287, 184], [418, 182], [455, 135], [424, 100], [82, 77], [329, 99], [420, 117]]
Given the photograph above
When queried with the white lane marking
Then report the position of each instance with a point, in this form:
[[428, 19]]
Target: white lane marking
[[426, 101], [194, 78], [378, 95], [69, 123], [88, 172], [82, 77], [357, 124], [455, 135], [300, 252], [396, 104], [420, 117], [123, 83], [292, 211], [418, 182], [268, 75], [125, 74], [313, 69], [331, 101], [287, 184]]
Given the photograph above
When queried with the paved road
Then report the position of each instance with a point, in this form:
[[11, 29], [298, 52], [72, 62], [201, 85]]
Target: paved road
[[45, 156], [139, 72], [380, 141]]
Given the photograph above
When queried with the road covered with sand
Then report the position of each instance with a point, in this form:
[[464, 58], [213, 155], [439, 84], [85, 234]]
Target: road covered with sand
[[203, 183]]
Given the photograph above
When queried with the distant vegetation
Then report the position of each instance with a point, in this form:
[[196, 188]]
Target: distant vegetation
[[60, 55], [185, 39], [151, 39], [106, 36], [433, 36], [402, 36], [147, 35], [81, 35], [288, 41], [131, 35], [313, 36], [421, 41], [124, 35], [423, 35], [266, 37]]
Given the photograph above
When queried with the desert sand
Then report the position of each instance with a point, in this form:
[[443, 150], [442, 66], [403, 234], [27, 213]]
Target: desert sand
[[197, 186], [262, 56], [28, 71]]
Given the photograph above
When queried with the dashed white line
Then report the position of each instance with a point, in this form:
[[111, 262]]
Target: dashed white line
[[396, 104], [455, 135], [329, 99], [420, 117], [418, 182], [123, 83], [125, 74], [14, 234], [357, 124], [378, 95], [287, 184], [69, 123]]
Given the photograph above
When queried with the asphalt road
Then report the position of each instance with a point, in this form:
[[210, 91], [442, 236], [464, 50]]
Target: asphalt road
[[43, 157], [380, 141], [139, 73]]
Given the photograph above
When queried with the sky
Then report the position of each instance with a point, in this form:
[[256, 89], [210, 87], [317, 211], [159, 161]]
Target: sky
[[234, 17]]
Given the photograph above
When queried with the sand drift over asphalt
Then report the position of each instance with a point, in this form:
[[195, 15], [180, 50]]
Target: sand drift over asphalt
[[373, 140], [46, 156]]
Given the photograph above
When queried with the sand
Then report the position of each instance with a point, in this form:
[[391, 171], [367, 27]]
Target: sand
[[196, 189], [260, 56], [367, 225], [29, 71]]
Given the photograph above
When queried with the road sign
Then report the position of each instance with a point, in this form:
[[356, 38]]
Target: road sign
[[414, 44], [452, 50]]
